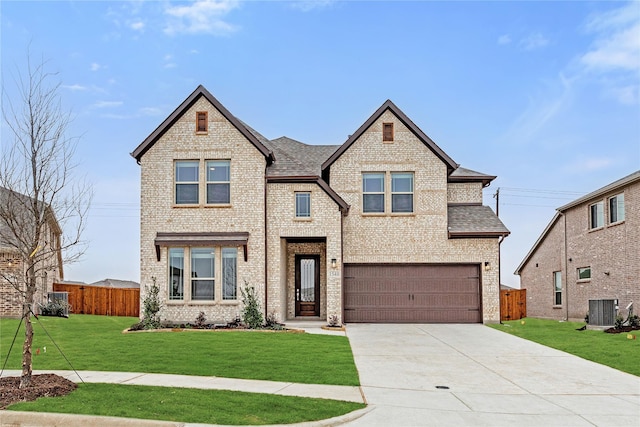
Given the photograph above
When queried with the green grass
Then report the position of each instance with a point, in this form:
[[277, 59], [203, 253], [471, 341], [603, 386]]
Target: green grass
[[189, 405], [614, 350], [97, 343]]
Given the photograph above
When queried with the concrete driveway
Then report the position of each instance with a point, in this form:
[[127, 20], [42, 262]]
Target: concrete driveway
[[472, 375]]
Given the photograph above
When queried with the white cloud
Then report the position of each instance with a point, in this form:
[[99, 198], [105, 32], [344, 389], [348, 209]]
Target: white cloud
[[137, 26], [75, 87], [95, 66], [202, 16], [308, 5], [504, 39], [534, 41], [107, 104], [590, 164], [151, 111]]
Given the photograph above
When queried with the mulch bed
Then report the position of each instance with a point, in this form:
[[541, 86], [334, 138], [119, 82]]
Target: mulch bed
[[44, 385], [622, 329]]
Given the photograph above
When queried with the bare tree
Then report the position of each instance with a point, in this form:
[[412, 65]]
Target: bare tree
[[43, 206]]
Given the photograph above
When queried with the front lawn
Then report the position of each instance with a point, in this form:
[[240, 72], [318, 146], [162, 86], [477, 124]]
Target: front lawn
[[614, 350], [97, 343], [189, 405]]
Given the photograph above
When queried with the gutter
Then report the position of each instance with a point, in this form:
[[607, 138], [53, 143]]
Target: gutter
[[266, 247], [566, 263]]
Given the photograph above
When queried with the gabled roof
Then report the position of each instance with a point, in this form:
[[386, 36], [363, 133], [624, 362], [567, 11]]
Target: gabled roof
[[616, 185], [388, 105], [182, 108], [467, 221], [604, 190], [467, 175]]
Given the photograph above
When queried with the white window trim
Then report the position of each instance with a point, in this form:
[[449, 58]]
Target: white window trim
[[383, 192], [599, 215], [413, 180], [587, 279], [618, 197], [176, 182], [207, 182]]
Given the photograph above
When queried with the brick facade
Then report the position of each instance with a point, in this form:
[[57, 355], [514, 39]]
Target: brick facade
[[612, 252]]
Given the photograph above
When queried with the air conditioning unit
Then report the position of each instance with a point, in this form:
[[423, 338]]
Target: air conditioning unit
[[60, 297], [602, 312]]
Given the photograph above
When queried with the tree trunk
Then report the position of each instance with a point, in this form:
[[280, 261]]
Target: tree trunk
[[27, 365]]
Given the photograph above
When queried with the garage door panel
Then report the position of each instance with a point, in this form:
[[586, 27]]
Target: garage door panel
[[401, 293]]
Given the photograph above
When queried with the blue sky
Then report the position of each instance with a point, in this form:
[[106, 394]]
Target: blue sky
[[545, 95]]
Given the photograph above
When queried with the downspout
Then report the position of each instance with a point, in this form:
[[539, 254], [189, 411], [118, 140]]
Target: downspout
[[500, 240], [566, 264], [266, 247], [342, 267]]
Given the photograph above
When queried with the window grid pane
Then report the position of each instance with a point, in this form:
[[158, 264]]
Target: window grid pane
[[557, 284], [596, 215], [202, 273], [303, 205], [186, 179], [372, 192], [218, 182], [176, 273], [616, 208], [229, 273], [402, 192]]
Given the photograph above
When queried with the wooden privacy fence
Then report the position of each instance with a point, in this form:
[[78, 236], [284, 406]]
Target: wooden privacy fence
[[101, 300], [513, 304]]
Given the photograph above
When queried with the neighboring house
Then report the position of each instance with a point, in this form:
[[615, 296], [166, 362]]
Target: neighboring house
[[12, 268], [589, 251], [383, 228]]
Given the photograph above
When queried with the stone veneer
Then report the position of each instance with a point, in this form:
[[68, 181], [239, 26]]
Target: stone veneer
[[245, 213], [612, 249], [419, 237]]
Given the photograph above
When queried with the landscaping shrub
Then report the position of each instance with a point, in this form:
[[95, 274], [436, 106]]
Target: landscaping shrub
[[251, 314], [151, 306]]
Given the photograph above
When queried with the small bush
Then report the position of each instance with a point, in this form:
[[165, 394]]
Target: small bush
[[151, 306], [251, 314], [634, 321], [272, 322], [586, 318], [619, 322], [333, 320], [201, 321]]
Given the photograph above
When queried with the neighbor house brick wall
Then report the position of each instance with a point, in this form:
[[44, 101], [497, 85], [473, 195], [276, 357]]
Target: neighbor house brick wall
[[10, 298], [244, 214], [325, 222], [420, 237], [612, 249]]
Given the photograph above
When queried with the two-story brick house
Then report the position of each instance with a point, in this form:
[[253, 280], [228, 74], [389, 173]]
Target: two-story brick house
[[589, 251], [12, 258], [383, 228]]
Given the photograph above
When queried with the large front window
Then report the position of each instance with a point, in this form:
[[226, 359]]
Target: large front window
[[616, 208], [202, 274], [401, 192], [187, 177], [218, 182], [373, 192]]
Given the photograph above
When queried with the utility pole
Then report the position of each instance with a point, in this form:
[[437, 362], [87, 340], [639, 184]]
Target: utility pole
[[497, 197]]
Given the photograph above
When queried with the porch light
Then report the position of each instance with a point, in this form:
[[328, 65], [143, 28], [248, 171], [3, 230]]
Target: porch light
[[334, 263], [487, 266]]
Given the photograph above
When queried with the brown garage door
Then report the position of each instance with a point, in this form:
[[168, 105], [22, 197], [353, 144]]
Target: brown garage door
[[412, 293]]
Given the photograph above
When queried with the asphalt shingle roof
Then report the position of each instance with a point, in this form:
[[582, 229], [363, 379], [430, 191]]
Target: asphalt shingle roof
[[467, 220]]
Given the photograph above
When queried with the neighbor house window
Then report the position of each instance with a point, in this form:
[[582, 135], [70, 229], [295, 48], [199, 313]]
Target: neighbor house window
[[596, 215], [218, 182], [387, 132], [401, 192], [557, 287], [201, 122], [176, 274], [187, 175], [303, 205], [616, 208], [229, 275], [202, 274], [584, 273], [373, 192]]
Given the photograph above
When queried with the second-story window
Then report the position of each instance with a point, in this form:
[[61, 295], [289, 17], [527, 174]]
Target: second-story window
[[218, 182], [202, 123], [596, 215], [303, 205], [401, 192], [616, 208], [186, 178], [373, 192]]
